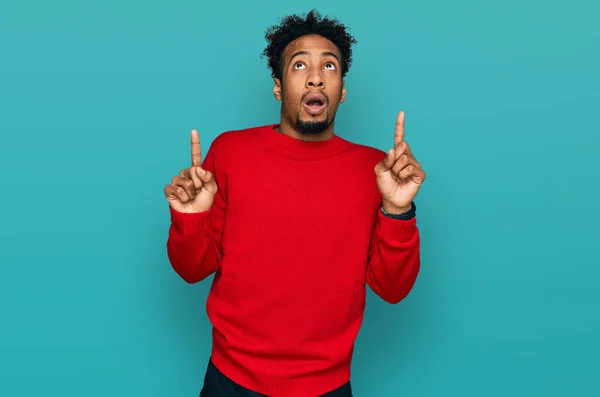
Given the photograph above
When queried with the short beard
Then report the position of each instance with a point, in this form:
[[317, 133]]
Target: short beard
[[311, 127]]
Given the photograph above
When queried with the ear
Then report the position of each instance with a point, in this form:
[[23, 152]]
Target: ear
[[343, 97], [277, 89]]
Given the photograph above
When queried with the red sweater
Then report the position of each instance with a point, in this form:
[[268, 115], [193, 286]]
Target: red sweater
[[294, 236]]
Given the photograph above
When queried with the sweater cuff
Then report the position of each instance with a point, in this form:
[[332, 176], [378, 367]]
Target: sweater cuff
[[190, 223], [396, 229]]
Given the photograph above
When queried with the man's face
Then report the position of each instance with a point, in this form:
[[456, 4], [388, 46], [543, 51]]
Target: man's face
[[311, 87]]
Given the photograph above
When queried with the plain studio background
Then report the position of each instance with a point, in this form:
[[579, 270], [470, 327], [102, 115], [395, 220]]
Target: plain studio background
[[502, 100]]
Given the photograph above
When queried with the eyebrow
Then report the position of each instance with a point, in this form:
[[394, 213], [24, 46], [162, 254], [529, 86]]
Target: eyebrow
[[306, 53]]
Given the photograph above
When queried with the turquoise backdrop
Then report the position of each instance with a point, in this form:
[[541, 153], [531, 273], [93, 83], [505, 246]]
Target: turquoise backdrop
[[502, 102]]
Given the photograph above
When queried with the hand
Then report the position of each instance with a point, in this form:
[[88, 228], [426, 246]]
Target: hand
[[399, 175], [194, 189]]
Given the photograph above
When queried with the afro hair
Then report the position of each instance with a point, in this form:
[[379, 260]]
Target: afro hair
[[294, 26]]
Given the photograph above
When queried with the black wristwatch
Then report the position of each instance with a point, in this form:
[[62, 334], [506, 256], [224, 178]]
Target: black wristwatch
[[405, 215]]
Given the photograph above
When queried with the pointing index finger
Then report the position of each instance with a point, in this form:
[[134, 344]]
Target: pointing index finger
[[196, 151], [399, 133]]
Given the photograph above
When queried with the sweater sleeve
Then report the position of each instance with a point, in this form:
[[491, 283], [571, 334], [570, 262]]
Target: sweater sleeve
[[194, 240], [394, 257]]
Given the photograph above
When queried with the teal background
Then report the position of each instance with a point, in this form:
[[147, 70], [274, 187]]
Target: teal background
[[502, 102]]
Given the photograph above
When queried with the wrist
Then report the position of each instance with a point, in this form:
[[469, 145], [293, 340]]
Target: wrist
[[400, 213], [394, 210]]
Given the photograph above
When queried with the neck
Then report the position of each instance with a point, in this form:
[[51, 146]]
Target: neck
[[286, 128]]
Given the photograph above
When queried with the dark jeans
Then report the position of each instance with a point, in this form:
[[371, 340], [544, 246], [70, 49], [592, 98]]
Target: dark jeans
[[218, 385]]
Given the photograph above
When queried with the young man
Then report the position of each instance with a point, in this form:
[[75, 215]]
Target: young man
[[294, 222]]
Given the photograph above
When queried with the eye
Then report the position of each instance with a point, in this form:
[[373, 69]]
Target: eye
[[297, 64], [331, 65]]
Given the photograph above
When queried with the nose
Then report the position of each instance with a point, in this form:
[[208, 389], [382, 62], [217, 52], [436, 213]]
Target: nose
[[315, 80]]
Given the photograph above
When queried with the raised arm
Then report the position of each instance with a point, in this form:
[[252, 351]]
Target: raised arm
[[197, 207], [394, 259]]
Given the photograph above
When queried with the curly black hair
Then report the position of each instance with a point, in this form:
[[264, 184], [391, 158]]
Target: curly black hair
[[295, 26]]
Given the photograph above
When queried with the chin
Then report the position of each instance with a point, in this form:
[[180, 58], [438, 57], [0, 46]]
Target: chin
[[313, 126]]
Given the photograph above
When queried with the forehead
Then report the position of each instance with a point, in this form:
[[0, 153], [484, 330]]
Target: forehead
[[313, 44]]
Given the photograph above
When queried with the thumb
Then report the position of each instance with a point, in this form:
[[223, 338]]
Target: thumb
[[386, 164], [208, 180]]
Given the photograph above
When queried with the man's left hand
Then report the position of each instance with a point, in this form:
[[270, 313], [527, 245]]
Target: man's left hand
[[399, 175]]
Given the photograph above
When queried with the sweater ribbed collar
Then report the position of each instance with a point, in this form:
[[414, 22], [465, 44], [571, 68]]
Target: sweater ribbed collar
[[299, 148]]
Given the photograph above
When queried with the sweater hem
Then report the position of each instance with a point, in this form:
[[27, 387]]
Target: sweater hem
[[312, 385]]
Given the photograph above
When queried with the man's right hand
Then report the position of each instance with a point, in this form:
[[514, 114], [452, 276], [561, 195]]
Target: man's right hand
[[194, 189]]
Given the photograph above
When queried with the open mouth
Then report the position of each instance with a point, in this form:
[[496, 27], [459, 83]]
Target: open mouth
[[315, 103]]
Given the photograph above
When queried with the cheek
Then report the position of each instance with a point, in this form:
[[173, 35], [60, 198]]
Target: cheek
[[290, 97], [289, 100], [335, 89], [335, 96], [293, 87]]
